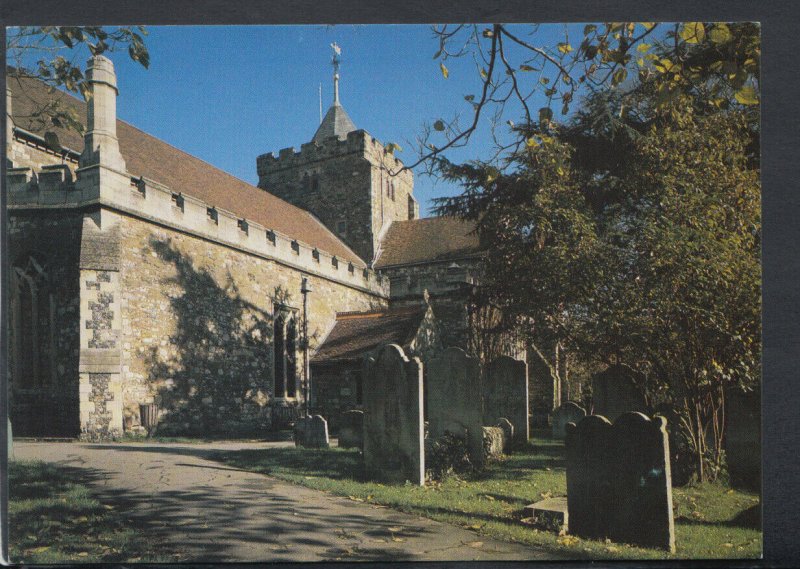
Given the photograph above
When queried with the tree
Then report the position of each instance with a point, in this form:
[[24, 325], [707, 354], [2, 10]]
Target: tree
[[516, 74], [631, 234], [50, 54]]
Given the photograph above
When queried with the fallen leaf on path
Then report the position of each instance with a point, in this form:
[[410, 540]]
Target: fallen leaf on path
[[397, 538], [379, 540], [475, 526], [83, 554], [475, 544], [40, 549], [567, 540], [396, 528]]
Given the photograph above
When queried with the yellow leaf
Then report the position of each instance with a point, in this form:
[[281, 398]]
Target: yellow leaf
[[397, 538], [747, 95], [396, 528], [643, 47], [40, 549], [475, 544], [445, 71], [83, 554], [693, 32], [564, 48], [720, 33], [531, 142], [648, 25]]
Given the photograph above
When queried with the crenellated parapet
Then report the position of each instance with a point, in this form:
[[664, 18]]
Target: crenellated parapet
[[53, 186]]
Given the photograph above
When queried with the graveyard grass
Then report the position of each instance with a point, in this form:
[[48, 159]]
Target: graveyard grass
[[711, 520], [53, 518]]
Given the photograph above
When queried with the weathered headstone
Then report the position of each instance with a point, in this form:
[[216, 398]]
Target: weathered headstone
[[494, 441], [614, 392], [743, 438], [317, 433], [568, 412], [454, 406], [299, 431], [505, 394], [549, 514], [393, 428], [641, 482], [508, 433], [351, 430], [588, 481], [618, 480]]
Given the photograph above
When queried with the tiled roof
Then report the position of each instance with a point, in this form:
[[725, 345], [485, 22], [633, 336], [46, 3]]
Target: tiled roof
[[183, 173], [428, 239], [336, 123], [356, 333]]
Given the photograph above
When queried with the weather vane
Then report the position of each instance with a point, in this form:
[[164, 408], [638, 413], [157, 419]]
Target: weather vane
[[337, 52]]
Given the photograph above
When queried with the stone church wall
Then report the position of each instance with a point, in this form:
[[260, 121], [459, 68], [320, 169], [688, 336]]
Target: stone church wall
[[197, 327]]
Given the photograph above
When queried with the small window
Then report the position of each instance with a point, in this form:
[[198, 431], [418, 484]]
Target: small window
[[212, 214], [315, 255], [243, 225], [335, 263], [314, 183], [411, 208], [296, 247], [365, 274], [351, 268], [391, 190], [341, 227], [271, 236]]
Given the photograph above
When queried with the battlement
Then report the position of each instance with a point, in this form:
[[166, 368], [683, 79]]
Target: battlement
[[53, 186], [357, 142]]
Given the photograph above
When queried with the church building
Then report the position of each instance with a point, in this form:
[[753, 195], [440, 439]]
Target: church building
[[143, 275]]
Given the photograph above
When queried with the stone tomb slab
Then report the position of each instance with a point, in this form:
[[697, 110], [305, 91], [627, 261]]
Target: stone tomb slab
[[393, 420], [550, 514]]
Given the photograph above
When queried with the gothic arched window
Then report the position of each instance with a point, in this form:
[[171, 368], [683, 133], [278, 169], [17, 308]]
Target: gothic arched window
[[291, 359], [280, 362], [33, 333]]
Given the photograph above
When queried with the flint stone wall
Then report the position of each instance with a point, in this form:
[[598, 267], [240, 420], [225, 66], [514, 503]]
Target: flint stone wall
[[453, 385], [505, 394], [618, 480], [393, 421]]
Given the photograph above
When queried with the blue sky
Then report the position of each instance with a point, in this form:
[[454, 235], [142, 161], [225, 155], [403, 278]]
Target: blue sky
[[229, 93]]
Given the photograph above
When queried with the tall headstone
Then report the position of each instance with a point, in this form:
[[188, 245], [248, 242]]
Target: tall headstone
[[641, 482], [588, 482], [454, 382], [614, 392], [568, 412], [351, 430], [743, 438], [393, 422], [505, 394], [317, 433], [618, 480]]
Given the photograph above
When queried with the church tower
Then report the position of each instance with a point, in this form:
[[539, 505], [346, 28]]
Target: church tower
[[344, 177]]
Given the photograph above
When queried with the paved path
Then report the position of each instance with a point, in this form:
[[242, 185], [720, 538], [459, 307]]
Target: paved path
[[213, 512]]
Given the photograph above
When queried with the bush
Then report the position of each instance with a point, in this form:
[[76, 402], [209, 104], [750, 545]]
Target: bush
[[446, 456]]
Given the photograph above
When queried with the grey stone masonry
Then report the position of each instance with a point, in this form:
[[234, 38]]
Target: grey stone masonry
[[393, 422]]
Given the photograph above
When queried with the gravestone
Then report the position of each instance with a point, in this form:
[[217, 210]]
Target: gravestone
[[508, 433], [494, 441], [351, 431], [614, 392], [505, 394], [588, 482], [641, 482], [393, 428], [550, 514], [743, 438], [618, 480], [316, 435], [568, 412], [453, 385]]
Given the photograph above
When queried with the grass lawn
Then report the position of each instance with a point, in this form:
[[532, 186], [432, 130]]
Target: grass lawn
[[53, 518], [711, 520]]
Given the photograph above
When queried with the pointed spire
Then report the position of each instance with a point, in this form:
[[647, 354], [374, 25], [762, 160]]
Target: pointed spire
[[336, 122]]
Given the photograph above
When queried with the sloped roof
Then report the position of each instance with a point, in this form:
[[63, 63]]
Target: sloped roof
[[336, 123], [356, 333], [183, 173], [426, 240]]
